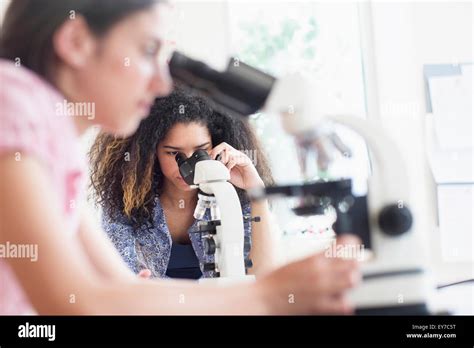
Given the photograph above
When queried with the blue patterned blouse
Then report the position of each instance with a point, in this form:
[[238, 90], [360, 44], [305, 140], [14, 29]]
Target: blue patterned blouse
[[151, 249]]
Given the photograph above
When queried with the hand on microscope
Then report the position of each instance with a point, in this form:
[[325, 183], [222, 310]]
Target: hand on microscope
[[317, 284], [243, 173]]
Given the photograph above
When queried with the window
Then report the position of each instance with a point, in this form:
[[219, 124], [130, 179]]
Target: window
[[317, 39]]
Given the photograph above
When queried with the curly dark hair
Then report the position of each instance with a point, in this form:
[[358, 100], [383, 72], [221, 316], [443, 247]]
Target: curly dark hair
[[125, 172]]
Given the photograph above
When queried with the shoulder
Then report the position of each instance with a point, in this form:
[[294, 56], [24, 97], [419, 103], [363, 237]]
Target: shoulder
[[120, 224], [24, 91], [29, 120], [158, 212], [17, 75]]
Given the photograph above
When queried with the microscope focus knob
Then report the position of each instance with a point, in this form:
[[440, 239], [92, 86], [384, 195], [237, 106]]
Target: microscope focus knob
[[248, 263], [211, 266], [210, 246], [395, 220]]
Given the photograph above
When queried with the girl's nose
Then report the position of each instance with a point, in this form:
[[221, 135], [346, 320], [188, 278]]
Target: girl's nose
[[161, 83]]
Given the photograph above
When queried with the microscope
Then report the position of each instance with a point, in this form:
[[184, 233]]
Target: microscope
[[223, 234], [395, 277]]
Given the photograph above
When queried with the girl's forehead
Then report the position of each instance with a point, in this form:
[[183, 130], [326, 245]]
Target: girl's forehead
[[187, 135], [189, 130]]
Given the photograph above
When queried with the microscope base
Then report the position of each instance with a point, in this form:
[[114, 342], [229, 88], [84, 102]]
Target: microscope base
[[411, 309], [401, 292]]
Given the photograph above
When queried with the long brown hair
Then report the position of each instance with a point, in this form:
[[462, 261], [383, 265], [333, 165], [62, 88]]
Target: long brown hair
[[29, 26]]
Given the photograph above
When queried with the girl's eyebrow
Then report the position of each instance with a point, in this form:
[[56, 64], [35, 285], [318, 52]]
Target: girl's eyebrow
[[178, 148], [172, 147], [202, 145]]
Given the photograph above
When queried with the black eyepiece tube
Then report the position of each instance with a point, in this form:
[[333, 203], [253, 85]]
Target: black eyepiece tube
[[187, 166], [240, 90]]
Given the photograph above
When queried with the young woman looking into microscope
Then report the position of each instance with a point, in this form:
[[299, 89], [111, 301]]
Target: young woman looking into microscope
[[148, 207]]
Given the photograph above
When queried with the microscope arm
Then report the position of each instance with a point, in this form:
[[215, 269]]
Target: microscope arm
[[212, 178], [396, 274], [293, 98], [387, 161], [230, 234], [388, 198]]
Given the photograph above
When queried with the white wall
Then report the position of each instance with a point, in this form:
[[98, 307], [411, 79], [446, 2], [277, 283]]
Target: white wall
[[201, 30], [443, 31], [406, 36]]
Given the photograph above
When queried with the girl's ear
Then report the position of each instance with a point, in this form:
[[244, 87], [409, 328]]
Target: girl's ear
[[73, 42]]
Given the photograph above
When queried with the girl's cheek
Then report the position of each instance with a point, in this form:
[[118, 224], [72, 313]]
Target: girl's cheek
[[169, 166]]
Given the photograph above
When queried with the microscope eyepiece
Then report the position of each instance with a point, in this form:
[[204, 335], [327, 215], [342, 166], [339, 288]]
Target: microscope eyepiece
[[188, 165], [180, 158]]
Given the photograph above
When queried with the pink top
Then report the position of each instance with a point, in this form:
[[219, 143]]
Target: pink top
[[32, 123]]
